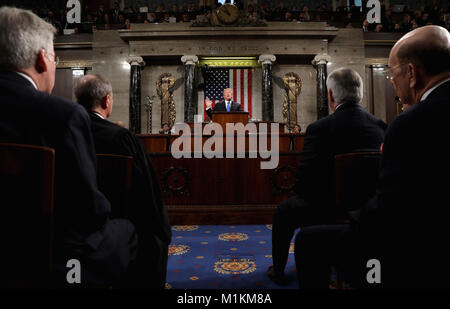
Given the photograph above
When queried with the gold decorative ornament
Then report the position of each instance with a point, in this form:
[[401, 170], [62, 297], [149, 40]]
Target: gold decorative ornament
[[293, 86], [228, 13], [164, 89]]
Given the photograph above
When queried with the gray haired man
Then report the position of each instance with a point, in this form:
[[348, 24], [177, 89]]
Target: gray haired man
[[349, 128], [29, 114]]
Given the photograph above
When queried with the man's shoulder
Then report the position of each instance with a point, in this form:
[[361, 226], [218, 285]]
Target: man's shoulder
[[107, 126]]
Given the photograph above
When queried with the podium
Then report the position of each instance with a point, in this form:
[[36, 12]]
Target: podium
[[223, 118]]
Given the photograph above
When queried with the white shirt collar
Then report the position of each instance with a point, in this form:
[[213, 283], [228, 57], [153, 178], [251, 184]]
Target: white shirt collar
[[427, 93], [339, 106], [98, 115], [29, 79]]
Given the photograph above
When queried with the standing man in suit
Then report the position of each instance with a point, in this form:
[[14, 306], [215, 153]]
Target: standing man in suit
[[350, 128], [29, 114], [405, 226], [147, 208], [226, 104]]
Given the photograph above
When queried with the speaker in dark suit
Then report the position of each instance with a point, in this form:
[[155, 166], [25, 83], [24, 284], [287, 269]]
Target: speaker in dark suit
[[147, 210], [350, 128], [226, 104], [29, 114], [405, 226]]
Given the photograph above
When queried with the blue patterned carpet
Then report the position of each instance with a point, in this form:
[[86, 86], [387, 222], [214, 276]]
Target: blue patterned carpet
[[223, 257]]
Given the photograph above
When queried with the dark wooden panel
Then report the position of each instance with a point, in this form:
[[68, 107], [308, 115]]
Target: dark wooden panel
[[225, 190]]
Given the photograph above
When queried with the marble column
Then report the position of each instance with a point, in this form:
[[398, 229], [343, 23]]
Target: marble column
[[190, 102], [135, 93], [267, 93], [320, 63]]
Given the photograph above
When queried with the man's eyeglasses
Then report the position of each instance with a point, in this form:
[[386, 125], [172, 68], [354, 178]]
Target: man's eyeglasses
[[55, 58], [388, 72]]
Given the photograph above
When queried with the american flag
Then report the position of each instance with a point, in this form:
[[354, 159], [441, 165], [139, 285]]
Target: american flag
[[240, 80]]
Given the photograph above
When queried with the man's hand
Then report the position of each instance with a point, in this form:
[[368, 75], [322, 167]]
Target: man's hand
[[208, 103]]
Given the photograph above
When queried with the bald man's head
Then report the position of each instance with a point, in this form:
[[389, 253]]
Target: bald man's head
[[427, 47]]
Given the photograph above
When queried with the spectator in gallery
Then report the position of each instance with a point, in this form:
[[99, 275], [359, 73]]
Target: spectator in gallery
[[288, 16], [160, 8], [388, 24], [185, 18], [406, 23], [366, 25], [397, 28], [305, 11], [379, 28]]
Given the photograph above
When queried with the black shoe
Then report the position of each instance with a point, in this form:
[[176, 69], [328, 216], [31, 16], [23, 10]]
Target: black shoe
[[277, 277]]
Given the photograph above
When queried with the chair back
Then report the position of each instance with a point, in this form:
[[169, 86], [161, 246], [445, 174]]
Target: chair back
[[26, 231], [356, 179], [114, 174]]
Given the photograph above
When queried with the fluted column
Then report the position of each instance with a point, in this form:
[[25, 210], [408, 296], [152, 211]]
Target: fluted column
[[320, 63], [135, 93], [190, 103], [267, 93]]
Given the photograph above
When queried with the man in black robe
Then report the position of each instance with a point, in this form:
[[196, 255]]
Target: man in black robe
[[147, 209]]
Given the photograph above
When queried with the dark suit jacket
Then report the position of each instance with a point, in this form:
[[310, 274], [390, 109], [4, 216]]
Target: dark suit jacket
[[81, 211], [147, 204], [409, 215], [221, 107], [350, 128]]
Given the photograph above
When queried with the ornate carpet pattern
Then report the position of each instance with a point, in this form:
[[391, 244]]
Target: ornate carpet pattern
[[223, 257]]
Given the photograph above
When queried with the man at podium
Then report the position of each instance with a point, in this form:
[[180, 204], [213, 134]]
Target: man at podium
[[226, 104]]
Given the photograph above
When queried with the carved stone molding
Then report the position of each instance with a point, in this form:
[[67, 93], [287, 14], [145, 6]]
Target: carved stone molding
[[136, 61], [267, 59], [189, 59], [321, 59]]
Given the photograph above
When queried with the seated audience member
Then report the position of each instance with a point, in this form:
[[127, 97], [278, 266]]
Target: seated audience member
[[165, 129], [404, 227], [147, 208], [379, 28], [366, 25], [348, 129], [297, 129], [31, 115]]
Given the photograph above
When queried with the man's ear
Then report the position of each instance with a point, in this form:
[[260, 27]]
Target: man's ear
[[104, 103], [411, 73], [41, 64], [330, 96]]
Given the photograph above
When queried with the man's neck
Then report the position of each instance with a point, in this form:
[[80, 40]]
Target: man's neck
[[32, 78], [430, 83], [100, 113]]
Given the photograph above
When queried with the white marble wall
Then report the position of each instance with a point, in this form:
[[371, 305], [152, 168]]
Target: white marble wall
[[149, 79], [110, 54], [109, 58], [306, 101]]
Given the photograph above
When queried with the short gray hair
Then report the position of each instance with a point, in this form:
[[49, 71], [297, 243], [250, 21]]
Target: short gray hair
[[91, 89], [22, 35], [346, 85]]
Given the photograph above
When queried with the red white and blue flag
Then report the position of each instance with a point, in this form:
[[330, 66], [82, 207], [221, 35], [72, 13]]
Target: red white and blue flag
[[238, 79]]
